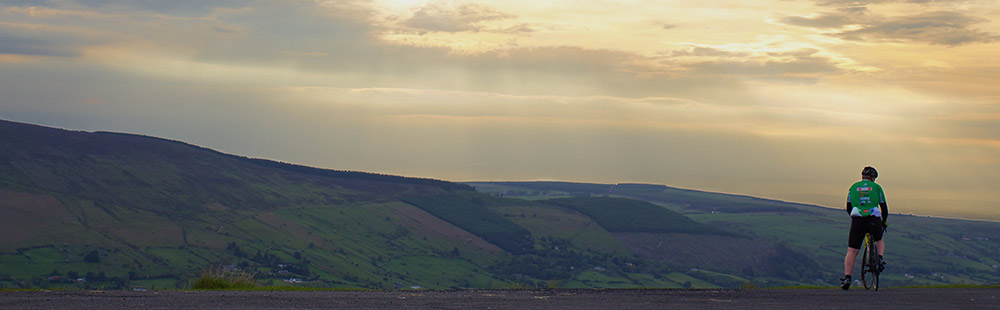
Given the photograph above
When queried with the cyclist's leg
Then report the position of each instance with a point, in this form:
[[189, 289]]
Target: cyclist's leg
[[854, 240], [849, 259], [852, 254]]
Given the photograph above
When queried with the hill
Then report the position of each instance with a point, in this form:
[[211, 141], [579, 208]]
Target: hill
[[120, 208], [789, 241], [113, 210], [634, 216]]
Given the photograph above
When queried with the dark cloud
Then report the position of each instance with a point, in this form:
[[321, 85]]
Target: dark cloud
[[467, 17], [225, 30], [171, 7], [867, 2], [939, 28], [705, 52], [823, 21], [35, 46], [799, 53], [802, 65], [521, 28], [851, 14], [25, 2], [854, 9]]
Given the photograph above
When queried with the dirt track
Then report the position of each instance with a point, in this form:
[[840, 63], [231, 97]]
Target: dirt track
[[942, 298]]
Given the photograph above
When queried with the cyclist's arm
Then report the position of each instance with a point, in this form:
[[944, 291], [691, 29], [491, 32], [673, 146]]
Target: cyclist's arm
[[849, 206], [882, 205], [885, 211]]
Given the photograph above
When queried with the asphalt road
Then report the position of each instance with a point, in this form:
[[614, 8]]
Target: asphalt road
[[911, 298]]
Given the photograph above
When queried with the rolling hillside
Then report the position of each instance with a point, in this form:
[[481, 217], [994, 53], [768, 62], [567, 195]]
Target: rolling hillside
[[156, 212], [111, 210], [789, 241]]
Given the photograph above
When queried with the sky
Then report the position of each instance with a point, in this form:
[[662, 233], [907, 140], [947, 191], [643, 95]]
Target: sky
[[782, 99]]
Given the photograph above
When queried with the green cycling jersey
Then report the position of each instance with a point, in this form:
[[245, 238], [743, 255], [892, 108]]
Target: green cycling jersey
[[865, 197]]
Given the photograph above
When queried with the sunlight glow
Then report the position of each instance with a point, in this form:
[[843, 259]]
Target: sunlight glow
[[639, 89]]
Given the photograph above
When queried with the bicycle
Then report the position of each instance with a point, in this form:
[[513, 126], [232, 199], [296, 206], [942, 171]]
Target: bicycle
[[870, 264]]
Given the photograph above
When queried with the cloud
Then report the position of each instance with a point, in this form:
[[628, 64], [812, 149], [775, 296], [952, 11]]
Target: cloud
[[939, 28], [466, 17], [791, 65], [822, 21], [523, 110], [226, 30], [25, 2], [867, 2], [290, 38], [849, 14], [20, 45], [806, 69], [516, 29], [172, 7], [706, 52], [43, 40]]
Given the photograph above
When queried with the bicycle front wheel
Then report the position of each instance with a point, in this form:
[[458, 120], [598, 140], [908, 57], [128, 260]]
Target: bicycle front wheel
[[869, 266], [873, 262]]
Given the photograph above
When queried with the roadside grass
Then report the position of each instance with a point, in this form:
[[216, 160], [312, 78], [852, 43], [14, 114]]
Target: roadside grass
[[954, 286], [298, 289], [217, 278], [802, 287], [816, 287]]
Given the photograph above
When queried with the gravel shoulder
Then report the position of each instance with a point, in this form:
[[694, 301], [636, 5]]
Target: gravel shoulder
[[907, 298]]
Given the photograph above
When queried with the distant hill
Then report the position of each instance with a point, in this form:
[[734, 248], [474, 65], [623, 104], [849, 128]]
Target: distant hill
[[112, 210], [788, 240], [634, 216]]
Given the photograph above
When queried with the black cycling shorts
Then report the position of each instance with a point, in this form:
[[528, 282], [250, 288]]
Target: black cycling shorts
[[861, 225]]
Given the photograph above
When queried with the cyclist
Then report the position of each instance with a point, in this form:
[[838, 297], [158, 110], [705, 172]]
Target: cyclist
[[866, 205]]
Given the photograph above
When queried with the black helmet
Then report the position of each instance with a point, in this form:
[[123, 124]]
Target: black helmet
[[869, 172]]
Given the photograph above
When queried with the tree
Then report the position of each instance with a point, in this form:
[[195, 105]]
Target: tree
[[92, 257]]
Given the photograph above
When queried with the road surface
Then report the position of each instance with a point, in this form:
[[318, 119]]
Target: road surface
[[905, 298]]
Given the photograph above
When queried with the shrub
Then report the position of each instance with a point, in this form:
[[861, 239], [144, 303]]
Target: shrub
[[218, 278]]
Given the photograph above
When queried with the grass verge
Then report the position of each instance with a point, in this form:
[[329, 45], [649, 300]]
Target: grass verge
[[218, 278], [300, 289], [803, 287], [954, 286]]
